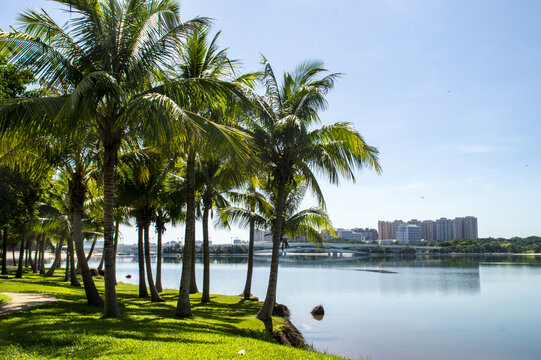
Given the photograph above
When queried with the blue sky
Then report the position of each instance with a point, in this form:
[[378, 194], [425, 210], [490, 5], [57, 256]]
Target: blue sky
[[448, 91]]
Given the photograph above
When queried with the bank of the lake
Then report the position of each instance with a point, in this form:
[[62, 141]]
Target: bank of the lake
[[70, 328]]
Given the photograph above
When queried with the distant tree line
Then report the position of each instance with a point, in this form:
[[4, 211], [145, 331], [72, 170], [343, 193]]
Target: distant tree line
[[531, 244]]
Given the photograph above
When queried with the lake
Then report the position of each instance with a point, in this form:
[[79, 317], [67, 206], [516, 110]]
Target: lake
[[425, 307]]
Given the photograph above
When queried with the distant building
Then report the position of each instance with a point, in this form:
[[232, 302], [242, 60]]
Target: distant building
[[415, 222], [384, 230], [408, 234], [387, 229], [442, 229], [470, 228], [428, 230], [368, 234], [200, 243], [349, 234], [262, 236], [394, 228], [458, 228]]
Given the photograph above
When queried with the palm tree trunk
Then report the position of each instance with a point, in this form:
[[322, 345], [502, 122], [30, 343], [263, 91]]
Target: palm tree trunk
[[33, 263], [41, 264], [143, 293], [115, 244], [26, 257], [67, 273], [248, 286], [91, 292], [57, 258], [110, 158], [19, 273], [37, 254], [5, 251], [91, 249], [100, 266], [193, 280], [206, 256], [270, 299], [154, 296], [159, 262], [183, 304], [73, 271]]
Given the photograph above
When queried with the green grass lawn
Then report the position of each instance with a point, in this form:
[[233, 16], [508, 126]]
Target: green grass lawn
[[4, 299], [72, 329]]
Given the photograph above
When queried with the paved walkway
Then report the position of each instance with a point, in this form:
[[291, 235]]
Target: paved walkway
[[23, 301]]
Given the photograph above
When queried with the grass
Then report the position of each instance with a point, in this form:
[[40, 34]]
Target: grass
[[72, 329], [4, 299]]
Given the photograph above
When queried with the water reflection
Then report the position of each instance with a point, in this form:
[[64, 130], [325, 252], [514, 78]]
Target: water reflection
[[395, 275]]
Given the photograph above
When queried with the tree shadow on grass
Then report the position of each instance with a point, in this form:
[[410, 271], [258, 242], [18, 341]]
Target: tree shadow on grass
[[70, 326]]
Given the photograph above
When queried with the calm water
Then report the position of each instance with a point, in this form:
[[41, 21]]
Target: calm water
[[431, 308]]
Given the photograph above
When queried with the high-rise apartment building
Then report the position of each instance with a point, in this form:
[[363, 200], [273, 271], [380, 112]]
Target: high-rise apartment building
[[394, 228], [428, 230], [458, 228], [444, 229], [384, 230], [470, 227], [415, 222], [441, 229]]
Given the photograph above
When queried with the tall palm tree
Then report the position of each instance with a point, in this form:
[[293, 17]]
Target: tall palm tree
[[203, 73], [127, 194], [142, 180], [78, 170], [104, 57], [251, 212], [292, 146], [57, 213], [160, 220], [215, 176]]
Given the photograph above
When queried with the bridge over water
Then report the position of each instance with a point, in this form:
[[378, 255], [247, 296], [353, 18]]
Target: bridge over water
[[333, 249]]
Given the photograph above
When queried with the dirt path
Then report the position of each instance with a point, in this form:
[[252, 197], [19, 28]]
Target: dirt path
[[23, 301]]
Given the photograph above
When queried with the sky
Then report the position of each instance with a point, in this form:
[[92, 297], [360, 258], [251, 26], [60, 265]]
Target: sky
[[448, 91]]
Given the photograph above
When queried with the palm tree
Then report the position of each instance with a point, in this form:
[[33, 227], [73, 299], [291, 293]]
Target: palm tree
[[203, 80], [252, 212], [170, 208], [127, 196], [25, 166], [160, 220], [78, 170], [142, 180], [104, 57], [215, 176], [57, 213], [291, 146]]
